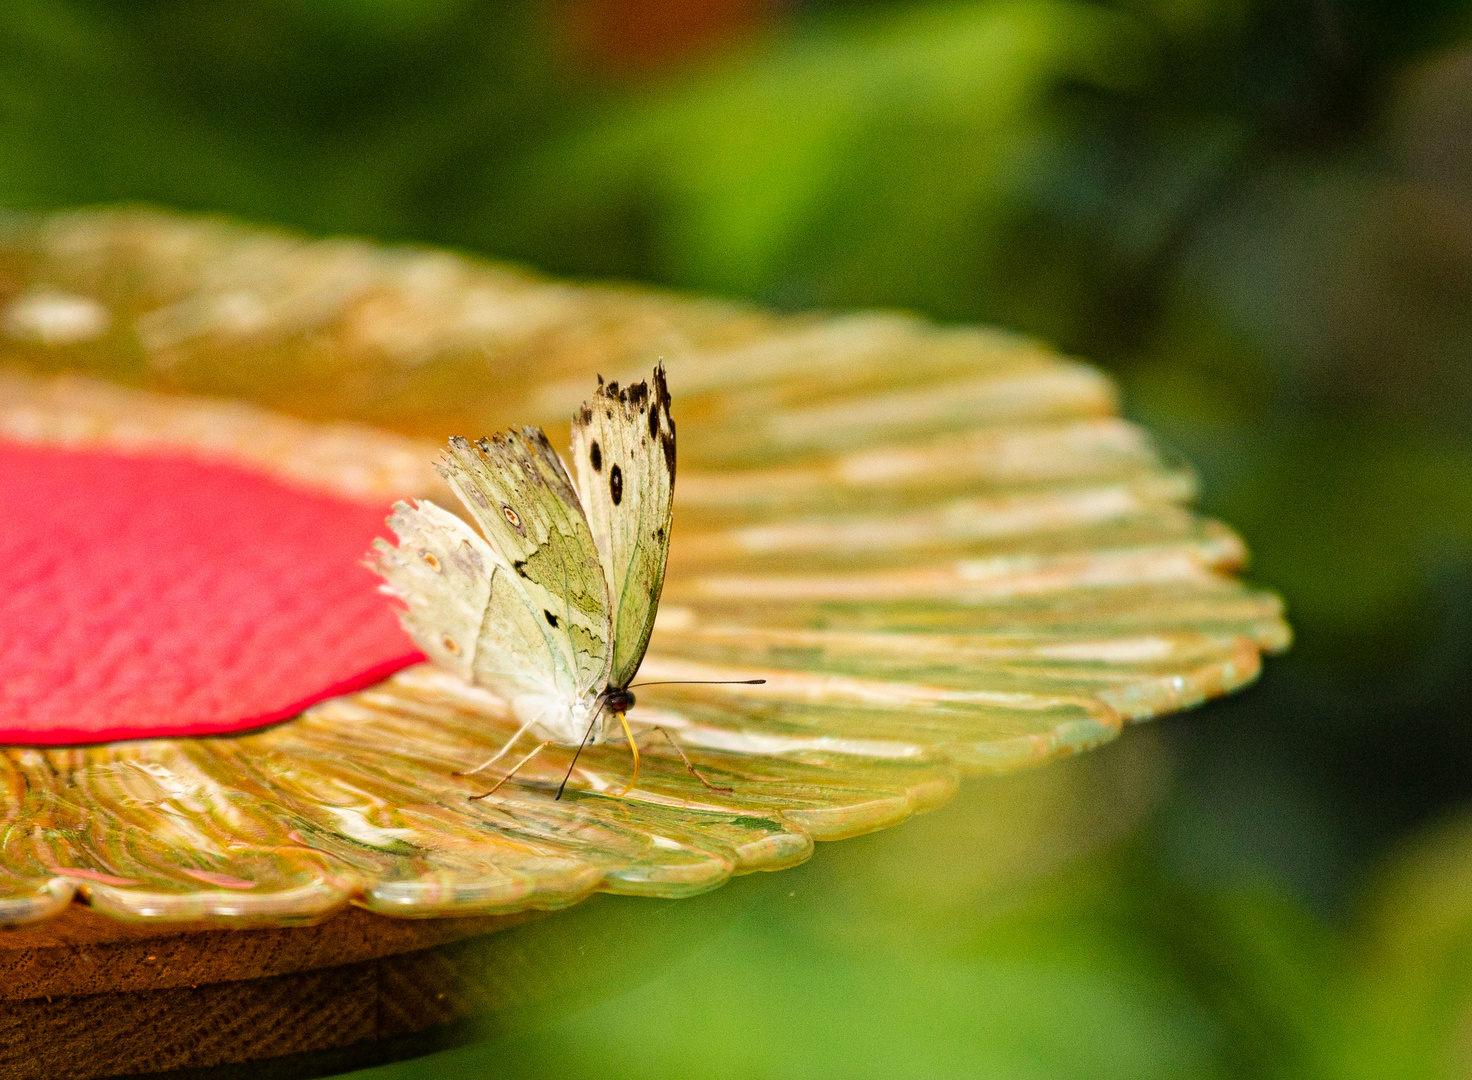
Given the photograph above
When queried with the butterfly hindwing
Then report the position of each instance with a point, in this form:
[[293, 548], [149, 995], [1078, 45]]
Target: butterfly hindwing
[[623, 445], [516, 488], [462, 608], [442, 571]]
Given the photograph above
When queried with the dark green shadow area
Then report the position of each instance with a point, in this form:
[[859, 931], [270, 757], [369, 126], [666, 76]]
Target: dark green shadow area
[[1024, 932], [535, 974]]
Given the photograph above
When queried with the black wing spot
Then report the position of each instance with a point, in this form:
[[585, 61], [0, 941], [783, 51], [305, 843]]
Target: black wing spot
[[659, 533], [551, 619], [595, 455], [520, 567], [616, 485], [654, 422]]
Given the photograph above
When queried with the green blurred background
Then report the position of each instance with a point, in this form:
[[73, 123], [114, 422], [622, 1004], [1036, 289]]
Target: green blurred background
[[1256, 213]]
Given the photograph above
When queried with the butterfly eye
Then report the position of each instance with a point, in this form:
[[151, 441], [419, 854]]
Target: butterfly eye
[[450, 647], [512, 516], [432, 561]]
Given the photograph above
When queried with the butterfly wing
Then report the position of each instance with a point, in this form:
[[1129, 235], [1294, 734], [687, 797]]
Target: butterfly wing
[[454, 611], [442, 572], [526, 608], [623, 445], [516, 488]]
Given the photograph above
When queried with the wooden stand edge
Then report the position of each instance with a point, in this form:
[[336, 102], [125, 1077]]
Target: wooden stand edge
[[84, 997]]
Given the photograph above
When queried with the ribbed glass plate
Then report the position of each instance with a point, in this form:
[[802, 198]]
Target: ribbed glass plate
[[942, 549]]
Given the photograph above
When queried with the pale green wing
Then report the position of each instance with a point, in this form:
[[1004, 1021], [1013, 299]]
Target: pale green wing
[[442, 572], [516, 488], [623, 445], [461, 606]]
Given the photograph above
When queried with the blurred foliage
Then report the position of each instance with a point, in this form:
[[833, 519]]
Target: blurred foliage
[[1257, 213], [1044, 944]]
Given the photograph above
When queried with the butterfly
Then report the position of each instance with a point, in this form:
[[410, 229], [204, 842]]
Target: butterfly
[[552, 604]]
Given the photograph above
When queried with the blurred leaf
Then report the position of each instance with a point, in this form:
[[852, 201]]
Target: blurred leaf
[[880, 144], [929, 888], [1408, 1011], [1001, 941]]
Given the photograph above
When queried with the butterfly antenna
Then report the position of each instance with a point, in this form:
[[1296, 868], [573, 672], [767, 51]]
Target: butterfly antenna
[[701, 682], [573, 764]]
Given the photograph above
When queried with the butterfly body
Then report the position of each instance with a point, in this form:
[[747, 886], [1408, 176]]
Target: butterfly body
[[574, 723], [562, 722], [552, 602]]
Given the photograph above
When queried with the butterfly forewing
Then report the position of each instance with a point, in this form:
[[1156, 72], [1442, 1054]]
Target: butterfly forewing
[[623, 445], [549, 586]]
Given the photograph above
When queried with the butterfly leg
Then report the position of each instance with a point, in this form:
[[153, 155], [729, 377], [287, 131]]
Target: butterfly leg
[[515, 768], [499, 753], [690, 765], [634, 749]]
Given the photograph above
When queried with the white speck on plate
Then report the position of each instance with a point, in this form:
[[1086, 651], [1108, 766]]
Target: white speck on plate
[[53, 317]]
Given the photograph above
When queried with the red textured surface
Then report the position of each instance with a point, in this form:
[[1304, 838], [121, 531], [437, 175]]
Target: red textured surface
[[162, 596]]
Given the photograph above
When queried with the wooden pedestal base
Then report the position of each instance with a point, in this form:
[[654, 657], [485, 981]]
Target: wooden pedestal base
[[84, 997]]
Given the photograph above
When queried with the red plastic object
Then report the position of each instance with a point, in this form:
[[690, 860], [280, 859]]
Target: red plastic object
[[148, 596]]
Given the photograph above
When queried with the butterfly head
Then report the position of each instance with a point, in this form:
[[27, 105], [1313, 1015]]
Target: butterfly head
[[618, 700]]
